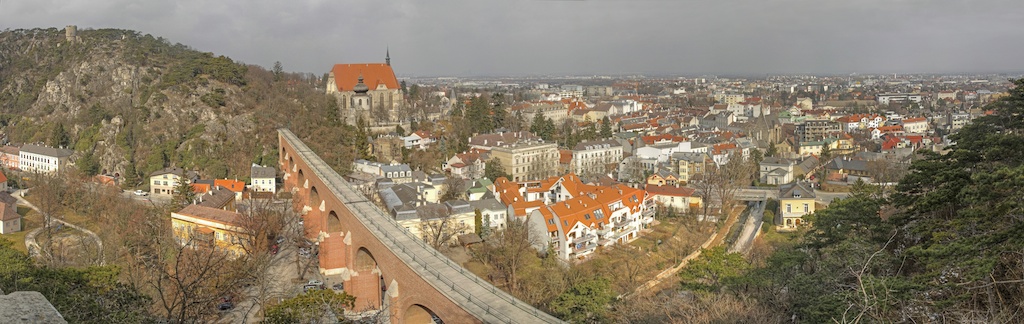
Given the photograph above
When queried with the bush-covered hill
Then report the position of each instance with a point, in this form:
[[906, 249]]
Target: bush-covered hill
[[129, 103]]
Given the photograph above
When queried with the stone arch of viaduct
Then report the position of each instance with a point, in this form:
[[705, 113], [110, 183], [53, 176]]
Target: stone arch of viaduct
[[382, 264]]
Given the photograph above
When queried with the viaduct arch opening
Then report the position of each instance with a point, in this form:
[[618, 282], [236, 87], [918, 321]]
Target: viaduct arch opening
[[419, 314]]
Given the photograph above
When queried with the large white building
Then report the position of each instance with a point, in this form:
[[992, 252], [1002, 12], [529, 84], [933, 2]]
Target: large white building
[[264, 179], [886, 98], [594, 157], [35, 158]]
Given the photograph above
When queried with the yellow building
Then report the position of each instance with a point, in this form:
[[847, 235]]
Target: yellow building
[[197, 225], [795, 200]]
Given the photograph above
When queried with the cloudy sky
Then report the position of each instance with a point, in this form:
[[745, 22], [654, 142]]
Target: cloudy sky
[[518, 37]]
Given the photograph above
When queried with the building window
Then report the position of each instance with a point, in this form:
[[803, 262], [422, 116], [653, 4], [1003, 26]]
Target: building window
[[789, 208], [806, 208]]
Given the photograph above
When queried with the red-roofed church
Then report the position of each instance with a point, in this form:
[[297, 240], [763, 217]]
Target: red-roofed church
[[367, 90]]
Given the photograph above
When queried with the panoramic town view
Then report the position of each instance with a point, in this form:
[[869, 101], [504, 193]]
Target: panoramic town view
[[512, 162]]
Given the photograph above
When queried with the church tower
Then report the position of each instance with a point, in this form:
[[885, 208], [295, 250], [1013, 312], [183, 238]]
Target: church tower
[[361, 100], [387, 57]]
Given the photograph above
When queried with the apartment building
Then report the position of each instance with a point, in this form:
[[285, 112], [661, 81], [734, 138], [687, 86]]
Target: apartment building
[[595, 157], [529, 160]]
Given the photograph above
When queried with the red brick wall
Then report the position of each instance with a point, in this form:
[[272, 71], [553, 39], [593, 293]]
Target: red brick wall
[[412, 290]]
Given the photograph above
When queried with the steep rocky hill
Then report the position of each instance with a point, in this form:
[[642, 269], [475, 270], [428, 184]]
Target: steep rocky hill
[[131, 103]]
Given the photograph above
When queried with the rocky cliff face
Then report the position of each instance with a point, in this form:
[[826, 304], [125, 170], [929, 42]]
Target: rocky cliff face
[[129, 99]]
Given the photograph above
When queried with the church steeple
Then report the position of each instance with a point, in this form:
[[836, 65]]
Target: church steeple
[[387, 56]]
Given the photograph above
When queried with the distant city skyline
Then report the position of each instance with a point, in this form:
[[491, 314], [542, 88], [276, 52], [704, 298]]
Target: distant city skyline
[[531, 38]]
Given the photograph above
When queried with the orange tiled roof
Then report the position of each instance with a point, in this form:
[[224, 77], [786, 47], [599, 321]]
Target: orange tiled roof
[[670, 191], [914, 120], [229, 184], [346, 76], [564, 156], [200, 188]]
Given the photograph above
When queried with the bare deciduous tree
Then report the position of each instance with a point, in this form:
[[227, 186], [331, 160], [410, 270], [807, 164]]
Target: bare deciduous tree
[[438, 226], [507, 250]]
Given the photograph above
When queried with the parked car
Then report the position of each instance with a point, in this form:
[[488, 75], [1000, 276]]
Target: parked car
[[313, 285], [141, 193], [338, 286], [225, 303], [273, 249]]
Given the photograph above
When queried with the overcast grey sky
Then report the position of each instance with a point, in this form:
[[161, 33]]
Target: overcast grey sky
[[483, 37]]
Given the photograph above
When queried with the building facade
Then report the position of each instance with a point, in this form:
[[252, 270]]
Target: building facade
[[263, 179], [596, 157], [200, 226], [35, 158], [369, 91], [527, 160]]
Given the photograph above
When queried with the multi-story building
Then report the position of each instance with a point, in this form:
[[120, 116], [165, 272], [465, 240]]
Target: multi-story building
[[596, 157], [527, 160], [162, 182], [815, 130], [35, 158], [860, 122], [468, 165], [886, 98], [690, 164], [795, 201], [9, 157], [200, 226], [776, 171], [264, 179], [574, 218], [678, 199], [917, 125]]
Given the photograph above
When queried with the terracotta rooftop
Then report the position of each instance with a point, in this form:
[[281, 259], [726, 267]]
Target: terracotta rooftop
[[346, 76], [211, 214]]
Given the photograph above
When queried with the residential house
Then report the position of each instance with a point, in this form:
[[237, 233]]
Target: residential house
[[487, 142], [595, 157], [576, 226], [689, 164], [10, 220], [776, 171], [467, 165], [917, 125], [217, 197], [493, 214], [663, 177], [399, 173], [795, 201], [263, 179], [679, 199], [428, 220], [858, 122], [234, 186], [477, 189], [527, 160], [162, 182], [418, 140], [35, 158], [849, 170], [201, 226], [9, 156]]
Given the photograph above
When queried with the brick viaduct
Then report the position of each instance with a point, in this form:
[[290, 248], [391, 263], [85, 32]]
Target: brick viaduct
[[382, 264]]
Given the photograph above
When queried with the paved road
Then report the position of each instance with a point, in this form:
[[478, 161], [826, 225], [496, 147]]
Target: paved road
[[30, 239]]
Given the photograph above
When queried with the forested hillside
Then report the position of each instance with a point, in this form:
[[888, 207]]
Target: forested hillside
[[129, 103]]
